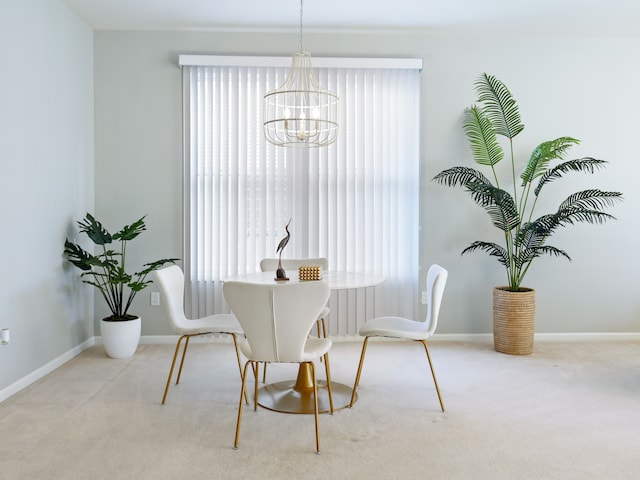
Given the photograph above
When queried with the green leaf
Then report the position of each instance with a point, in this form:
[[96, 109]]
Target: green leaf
[[492, 249], [585, 165], [78, 256], [94, 230], [543, 154], [129, 232], [460, 176], [137, 286], [482, 137], [586, 206], [499, 106], [498, 203], [153, 266]]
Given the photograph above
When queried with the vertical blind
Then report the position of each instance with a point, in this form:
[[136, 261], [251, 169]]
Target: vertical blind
[[354, 202]]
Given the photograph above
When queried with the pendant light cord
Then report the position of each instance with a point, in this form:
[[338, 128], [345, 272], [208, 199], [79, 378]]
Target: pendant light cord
[[301, 10]]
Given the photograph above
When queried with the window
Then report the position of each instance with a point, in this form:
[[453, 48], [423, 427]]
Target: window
[[354, 202]]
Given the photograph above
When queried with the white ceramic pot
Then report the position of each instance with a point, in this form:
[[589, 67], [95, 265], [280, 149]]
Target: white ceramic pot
[[120, 339]]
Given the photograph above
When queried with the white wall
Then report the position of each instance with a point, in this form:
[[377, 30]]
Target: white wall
[[46, 153], [584, 87]]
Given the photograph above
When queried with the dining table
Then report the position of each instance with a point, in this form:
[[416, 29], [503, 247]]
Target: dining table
[[296, 395]]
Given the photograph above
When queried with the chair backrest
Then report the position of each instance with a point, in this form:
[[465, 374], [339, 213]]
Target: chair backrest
[[271, 264], [276, 319], [436, 281], [171, 282]]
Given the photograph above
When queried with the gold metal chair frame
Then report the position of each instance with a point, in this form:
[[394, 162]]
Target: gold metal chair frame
[[184, 352], [364, 349], [312, 385]]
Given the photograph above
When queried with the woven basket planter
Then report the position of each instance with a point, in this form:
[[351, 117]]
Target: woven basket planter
[[513, 320]]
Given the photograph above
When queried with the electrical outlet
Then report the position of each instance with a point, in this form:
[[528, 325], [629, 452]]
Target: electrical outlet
[[155, 299], [423, 298]]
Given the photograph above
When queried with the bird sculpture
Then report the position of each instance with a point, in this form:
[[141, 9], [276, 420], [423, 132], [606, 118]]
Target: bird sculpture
[[281, 275]]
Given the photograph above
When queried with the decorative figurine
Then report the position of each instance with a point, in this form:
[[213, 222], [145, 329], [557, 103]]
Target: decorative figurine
[[281, 275]]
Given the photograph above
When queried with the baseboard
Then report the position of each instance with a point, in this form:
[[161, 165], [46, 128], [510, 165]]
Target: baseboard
[[43, 371], [445, 337], [542, 337], [587, 337]]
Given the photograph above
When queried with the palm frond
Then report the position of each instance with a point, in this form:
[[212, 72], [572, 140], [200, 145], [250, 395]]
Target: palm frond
[[587, 205], [587, 216], [527, 255], [585, 164], [482, 137], [492, 249], [499, 106], [462, 176], [543, 154], [531, 235], [498, 203]]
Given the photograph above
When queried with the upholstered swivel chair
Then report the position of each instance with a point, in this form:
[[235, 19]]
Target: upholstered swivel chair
[[171, 283], [276, 320], [407, 329]]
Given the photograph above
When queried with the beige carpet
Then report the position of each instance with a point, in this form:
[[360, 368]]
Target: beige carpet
[[569, 411]]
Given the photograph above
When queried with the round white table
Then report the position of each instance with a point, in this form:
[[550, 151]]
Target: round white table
[[335, 280], [296, 396]]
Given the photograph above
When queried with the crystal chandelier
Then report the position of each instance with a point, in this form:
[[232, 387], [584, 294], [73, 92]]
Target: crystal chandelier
[[300, 113]]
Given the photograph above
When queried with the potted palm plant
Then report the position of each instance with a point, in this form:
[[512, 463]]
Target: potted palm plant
[[511, 204], [106, 271]]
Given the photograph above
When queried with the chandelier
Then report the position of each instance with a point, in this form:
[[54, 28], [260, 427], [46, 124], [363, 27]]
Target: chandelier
[[300, 113]]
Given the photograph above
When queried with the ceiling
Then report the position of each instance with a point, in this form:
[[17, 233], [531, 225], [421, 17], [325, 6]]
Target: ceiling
[[593, 16]]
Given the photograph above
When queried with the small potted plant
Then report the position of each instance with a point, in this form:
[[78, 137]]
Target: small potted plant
[[511, 204], [106, 271]]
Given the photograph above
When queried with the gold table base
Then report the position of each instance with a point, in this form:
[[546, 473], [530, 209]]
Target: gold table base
[[297, 396]]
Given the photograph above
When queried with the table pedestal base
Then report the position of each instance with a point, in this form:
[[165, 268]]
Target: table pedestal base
[[297, 396]]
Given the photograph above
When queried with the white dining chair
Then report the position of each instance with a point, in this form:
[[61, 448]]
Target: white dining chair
[[271, 264], [171, 283], [276, 320], [407, 329], [293, 264]]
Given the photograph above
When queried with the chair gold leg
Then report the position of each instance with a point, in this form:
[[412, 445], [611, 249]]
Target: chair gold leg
[[256, 369], [241, 403], [320, 323], [433, 373], [235, 344], [264, 373], [184, 353], [355, 385], [328, 372], [315, 405], [173, 364]]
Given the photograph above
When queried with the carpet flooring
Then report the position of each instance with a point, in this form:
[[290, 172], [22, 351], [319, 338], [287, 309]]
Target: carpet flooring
[[568, 411]]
